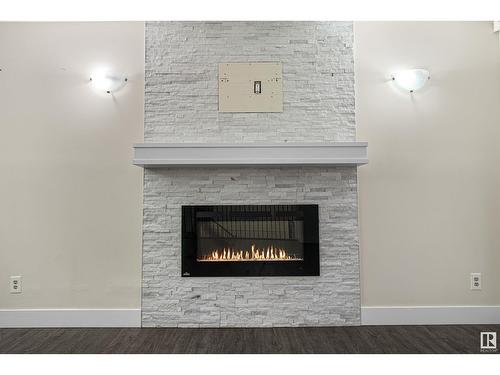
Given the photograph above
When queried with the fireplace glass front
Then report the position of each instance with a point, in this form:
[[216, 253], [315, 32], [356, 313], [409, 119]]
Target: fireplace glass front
[[250, 240]]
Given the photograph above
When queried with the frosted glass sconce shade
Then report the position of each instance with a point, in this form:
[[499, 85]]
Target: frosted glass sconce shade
[[411, 79], [108, 81]]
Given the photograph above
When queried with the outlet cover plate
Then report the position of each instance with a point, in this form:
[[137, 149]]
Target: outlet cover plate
[[476, 281], [238, 83], [15, 285]]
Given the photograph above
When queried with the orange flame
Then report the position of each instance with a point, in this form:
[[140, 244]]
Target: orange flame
[[234, 255]]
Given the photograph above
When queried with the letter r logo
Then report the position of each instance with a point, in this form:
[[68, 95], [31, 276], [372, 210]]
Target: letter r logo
[[488, 340]]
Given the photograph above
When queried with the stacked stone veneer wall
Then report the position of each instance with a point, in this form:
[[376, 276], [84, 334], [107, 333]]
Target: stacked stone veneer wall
[[181, 103], [181, 106]]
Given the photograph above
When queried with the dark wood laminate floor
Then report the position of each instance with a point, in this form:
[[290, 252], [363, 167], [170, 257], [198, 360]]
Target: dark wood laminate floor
[[364, 339]]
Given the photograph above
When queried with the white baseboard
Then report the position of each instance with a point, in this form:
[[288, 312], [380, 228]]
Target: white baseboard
[[409, 315], [370, 315], [31, 318]]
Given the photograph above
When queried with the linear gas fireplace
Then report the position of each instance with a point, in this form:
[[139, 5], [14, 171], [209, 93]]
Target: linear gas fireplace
[[250, 240]]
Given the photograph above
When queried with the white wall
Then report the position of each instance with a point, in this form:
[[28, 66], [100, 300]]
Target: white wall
[[70, 200], [430, 197]]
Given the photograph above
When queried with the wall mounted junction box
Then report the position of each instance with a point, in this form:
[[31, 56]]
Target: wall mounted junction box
[[251, 87]]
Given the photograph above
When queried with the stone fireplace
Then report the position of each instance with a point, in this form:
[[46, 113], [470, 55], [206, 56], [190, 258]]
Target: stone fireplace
[[228, 219]]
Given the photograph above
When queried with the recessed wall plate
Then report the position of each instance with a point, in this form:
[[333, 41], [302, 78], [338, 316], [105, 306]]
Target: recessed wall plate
[[251, 87]]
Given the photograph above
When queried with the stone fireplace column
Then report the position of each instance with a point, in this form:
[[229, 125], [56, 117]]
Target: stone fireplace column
[[181, 106]]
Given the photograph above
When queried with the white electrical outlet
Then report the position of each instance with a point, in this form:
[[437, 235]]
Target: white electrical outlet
[[475, 281], [16, 284]]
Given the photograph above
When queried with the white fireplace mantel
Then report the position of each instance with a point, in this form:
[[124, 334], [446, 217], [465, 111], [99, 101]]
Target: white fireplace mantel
[[149, 155]]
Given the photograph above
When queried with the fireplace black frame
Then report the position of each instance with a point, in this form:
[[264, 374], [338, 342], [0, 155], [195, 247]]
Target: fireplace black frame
[[309, 266]]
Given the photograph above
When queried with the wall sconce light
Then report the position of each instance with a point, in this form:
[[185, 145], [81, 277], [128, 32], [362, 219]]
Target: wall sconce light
[[411, 79], [108, 81]]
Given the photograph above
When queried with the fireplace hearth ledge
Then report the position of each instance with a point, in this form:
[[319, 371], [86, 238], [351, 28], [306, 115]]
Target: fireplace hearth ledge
[[157, 155]]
